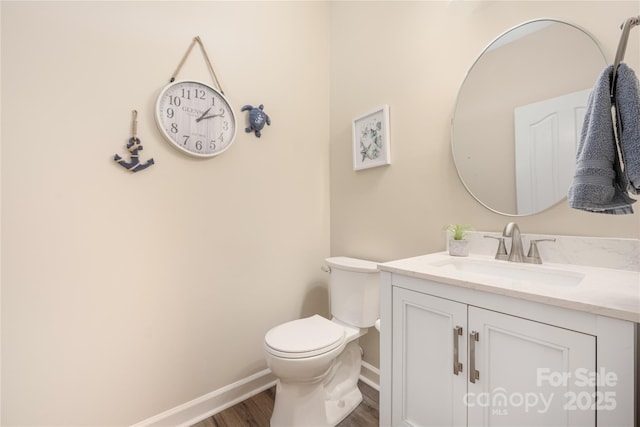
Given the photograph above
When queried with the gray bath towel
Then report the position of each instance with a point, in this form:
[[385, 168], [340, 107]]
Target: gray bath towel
[[599, 184], [627, 102]]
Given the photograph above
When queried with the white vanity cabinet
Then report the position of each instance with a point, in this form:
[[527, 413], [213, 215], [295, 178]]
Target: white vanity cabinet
[[453, 353], [457, 365]]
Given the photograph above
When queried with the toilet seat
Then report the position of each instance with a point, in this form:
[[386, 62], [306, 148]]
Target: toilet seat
[[306, 337]]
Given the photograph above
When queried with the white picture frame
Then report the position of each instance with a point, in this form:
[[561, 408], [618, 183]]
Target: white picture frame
[[371, 142]]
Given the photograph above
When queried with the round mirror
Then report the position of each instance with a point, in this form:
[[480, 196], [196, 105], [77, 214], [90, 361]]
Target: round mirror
[[519, 113]]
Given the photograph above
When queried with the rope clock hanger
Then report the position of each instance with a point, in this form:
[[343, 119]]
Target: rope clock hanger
[[195, 117], [134, 147]]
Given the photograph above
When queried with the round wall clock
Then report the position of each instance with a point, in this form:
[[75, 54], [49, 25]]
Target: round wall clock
[[195, 118]]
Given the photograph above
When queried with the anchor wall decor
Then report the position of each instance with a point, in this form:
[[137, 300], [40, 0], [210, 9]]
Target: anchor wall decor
[[134, 146]]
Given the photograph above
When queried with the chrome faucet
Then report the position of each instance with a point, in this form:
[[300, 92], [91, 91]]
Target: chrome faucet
[[512, 230], [516, 254]]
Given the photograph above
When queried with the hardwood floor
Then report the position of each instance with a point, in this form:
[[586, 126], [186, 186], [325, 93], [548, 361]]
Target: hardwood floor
[[256, 411]]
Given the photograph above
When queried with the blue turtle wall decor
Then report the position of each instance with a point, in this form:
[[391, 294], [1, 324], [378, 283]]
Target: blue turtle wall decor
[[257, 119]]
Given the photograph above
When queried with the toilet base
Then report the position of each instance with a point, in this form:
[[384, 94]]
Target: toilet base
[[323, 401], [309, 400], [299, 404], [338, 410]]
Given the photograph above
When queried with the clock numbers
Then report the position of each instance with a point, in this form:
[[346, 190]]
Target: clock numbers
[[197, 94], [195, 118]]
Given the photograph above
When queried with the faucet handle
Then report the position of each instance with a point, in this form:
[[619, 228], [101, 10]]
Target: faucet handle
[[501, 253], [533, 255]]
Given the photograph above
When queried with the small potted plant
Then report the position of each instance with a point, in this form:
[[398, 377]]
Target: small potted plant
[[458, 245]]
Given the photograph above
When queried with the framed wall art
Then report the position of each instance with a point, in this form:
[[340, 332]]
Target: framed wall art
[[371, 139]]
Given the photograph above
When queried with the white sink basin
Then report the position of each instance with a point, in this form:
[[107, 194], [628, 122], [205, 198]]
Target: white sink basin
[[515, 272]]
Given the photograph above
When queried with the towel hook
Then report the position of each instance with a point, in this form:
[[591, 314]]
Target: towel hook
[[622, 47]]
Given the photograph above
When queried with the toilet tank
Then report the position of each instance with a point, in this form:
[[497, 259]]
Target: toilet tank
[[354, 289]]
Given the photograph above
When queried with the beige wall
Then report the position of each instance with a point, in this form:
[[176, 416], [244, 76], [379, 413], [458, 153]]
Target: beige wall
[[413, 56], [124, 295]]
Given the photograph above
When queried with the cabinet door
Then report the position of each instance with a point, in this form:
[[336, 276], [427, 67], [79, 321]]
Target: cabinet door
[[425, 390], [530, 373]]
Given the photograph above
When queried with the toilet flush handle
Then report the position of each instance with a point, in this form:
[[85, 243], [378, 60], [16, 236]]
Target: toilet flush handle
[[326, 269]]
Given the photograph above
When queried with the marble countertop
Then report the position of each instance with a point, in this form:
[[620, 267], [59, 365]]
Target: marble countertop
[[604, 291]]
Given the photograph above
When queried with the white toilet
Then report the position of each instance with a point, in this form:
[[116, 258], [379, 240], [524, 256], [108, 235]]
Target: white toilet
[[317, 361]]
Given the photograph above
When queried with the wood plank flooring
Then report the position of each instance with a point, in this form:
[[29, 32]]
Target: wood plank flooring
[[256, 411]]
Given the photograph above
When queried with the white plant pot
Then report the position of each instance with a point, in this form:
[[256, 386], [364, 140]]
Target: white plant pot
[[458, 247]]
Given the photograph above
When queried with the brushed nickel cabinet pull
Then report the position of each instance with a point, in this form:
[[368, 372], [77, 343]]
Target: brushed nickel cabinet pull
[[457, 366], [473, 374]]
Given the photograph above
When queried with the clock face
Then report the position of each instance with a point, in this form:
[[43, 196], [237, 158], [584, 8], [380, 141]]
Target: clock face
[[195, 118]]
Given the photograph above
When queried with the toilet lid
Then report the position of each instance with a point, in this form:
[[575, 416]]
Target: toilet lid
[[304, 337]]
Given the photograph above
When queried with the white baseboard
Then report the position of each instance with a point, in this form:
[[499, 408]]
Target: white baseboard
[[210, 404], [370, 375], [206, 406]]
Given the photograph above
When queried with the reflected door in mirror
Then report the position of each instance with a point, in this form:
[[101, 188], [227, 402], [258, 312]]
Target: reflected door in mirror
[[546, 137]]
